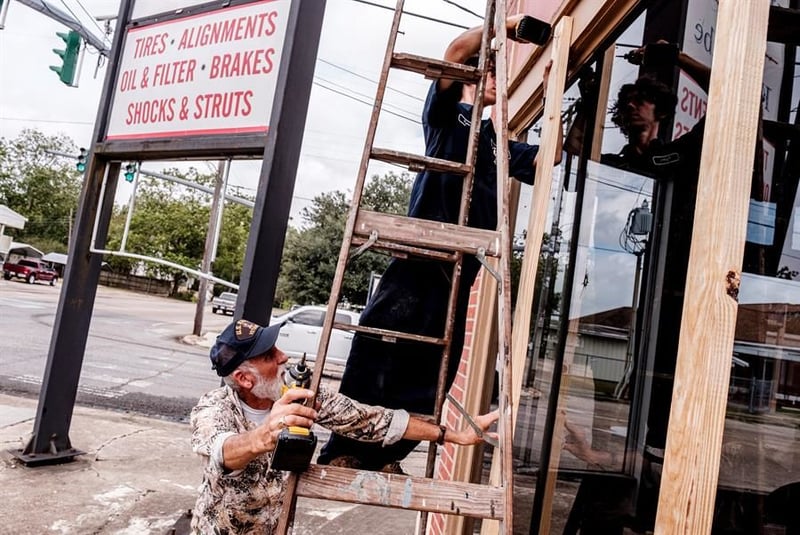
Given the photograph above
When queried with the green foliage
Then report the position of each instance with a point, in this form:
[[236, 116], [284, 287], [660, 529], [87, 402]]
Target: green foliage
[[42, 187], [311, 253], [170, 222]]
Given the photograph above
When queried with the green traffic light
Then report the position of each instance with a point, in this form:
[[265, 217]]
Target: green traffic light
[[69, 57], [130, 172], [81, 165]]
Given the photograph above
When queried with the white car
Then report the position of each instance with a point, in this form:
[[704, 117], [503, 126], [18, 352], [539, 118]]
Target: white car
[[303, 327]]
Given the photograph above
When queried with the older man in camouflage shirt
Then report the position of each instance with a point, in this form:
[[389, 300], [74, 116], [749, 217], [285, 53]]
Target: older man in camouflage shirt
[[235, 429]]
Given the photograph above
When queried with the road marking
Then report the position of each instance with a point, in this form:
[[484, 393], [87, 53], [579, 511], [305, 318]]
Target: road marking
[[21, 304], [101, 392]]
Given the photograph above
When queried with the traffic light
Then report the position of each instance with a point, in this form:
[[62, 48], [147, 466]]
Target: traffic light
[[69, 57], [81, 165], [130, 172]]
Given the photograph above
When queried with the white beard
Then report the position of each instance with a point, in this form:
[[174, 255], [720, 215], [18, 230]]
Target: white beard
[[269, 388]]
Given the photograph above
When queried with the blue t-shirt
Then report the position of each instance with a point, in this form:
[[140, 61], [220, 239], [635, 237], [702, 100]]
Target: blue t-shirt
[[413, 293], [446, 124]]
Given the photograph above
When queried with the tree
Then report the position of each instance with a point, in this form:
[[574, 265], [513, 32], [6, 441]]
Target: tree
[[40, 186], [169, 222], [311, 252]]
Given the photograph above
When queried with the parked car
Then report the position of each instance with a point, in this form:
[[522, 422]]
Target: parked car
[[224, 303], [30, 269], [303, 327]]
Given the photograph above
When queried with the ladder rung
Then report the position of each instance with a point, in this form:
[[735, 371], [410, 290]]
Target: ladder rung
[[390, 336], [401, 492], [426, 233], [404, 251], [417, 163], [435, 69]]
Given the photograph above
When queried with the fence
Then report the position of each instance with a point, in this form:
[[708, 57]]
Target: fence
[[135, 283]]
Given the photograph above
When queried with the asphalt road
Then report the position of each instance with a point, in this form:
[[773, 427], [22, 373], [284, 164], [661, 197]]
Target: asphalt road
[[134, 359]]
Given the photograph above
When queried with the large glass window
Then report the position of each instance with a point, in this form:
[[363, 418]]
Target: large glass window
[[597, 391], [759, 477]]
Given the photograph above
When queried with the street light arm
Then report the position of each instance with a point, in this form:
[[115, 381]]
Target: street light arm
[[69, 21]]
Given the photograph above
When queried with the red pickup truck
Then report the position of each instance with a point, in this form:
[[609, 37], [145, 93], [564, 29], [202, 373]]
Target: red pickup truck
[[31, 270]]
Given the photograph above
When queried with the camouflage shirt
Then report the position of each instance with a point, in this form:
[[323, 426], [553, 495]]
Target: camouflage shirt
[[249, 500]]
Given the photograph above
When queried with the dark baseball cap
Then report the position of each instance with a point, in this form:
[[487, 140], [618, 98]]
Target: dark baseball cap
[[241, 340]]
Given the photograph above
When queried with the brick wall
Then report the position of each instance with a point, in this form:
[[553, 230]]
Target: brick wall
[[450, 416]]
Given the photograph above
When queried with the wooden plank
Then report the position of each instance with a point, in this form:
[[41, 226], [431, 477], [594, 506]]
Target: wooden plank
[[426, 233], [700, 394], [388, 335], [536, 222], [404, 251], [400, 492], [434, 69], [418, 163], [505, 427], [604, 88], [592, 23]]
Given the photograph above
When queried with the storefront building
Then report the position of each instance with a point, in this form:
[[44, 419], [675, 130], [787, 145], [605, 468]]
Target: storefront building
[[661, 385]]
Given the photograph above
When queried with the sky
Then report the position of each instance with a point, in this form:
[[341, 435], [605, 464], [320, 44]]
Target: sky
[[351, 50]]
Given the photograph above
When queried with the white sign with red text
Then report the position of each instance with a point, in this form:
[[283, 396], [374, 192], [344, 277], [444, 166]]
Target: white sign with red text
[[692, 104], [207, 74]]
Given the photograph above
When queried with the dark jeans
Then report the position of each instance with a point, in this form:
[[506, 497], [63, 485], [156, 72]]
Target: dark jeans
[[403, 375]]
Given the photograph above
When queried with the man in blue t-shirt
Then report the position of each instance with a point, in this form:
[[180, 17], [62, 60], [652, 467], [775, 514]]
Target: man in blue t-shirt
[[414, 292]]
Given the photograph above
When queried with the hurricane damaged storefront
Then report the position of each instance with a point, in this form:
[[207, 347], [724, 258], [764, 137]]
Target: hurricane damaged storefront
[[660, 386]]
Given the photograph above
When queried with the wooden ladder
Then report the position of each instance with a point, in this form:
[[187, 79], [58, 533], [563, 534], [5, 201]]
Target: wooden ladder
[[406, 236]]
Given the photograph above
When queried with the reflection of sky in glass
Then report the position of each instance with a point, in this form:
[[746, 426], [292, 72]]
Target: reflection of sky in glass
[[762, 289], [604, 271]]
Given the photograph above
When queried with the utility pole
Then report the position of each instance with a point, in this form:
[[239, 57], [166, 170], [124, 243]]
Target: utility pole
[[210, 250]]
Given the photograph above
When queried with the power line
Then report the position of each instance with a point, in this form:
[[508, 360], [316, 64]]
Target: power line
[[425, 17], [94, 21], [369, 79], [26, 119], [365, 102], [368, 97], [462, 8]]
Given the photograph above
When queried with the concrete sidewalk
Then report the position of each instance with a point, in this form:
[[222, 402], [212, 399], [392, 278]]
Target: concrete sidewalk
[[138, 477]]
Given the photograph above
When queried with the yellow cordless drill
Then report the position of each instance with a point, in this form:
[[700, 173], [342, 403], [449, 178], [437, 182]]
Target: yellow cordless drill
[[296, 444]]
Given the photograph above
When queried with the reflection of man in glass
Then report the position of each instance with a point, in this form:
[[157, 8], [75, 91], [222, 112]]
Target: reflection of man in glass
[[641, 112], [642, 108]]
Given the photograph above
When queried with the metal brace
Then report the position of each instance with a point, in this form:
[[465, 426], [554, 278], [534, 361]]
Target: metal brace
[[373, 237], [481, 256], [475, 427]]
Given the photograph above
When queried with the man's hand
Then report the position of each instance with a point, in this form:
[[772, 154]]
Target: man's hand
[[468, 436], [285, 413]]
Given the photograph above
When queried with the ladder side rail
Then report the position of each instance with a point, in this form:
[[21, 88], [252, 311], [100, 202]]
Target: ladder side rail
[[463, 216], [477, 115], [287, 514], [388, 335], [558, 50], [355, 204], [504, 301]]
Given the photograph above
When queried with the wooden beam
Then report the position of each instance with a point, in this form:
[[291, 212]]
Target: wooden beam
[[426, 233], [400, 492], [604, 87], [592, 23], [700, 394], [541, 195]]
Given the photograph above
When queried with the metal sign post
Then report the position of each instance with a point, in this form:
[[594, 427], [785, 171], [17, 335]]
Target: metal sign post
[[217, 80]]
